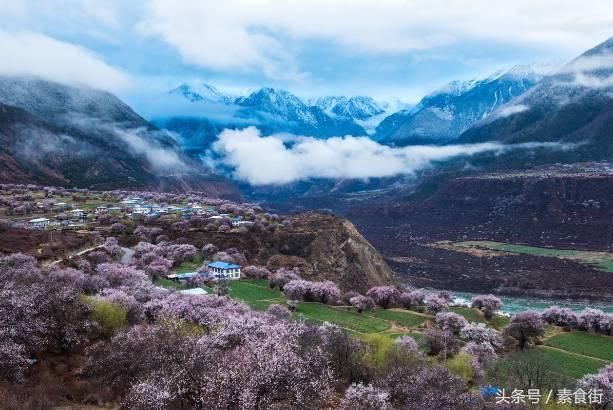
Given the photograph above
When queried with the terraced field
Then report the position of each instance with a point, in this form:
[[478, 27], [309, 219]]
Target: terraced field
[[569, 364], [353, 321], [599, 260], [257, 294], [401, 318], [584, 343], [470, 314]]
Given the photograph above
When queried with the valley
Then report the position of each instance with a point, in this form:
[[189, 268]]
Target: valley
[[541, 233], [304, 205]]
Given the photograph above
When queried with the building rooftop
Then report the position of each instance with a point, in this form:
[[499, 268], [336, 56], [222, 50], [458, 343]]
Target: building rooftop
[[193, 291], [223, 265], [35, 220], [186, 275]]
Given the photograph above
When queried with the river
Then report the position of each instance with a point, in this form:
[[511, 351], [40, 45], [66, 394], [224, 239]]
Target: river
[[512, 305]]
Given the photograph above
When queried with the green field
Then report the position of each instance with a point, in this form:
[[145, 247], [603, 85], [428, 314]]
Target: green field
[[569, 364], [167, 283], [470, 314], [254, 294], [600, 260], [190, 266], [347, 319], [400, 318], [500, 322], [584, 343]]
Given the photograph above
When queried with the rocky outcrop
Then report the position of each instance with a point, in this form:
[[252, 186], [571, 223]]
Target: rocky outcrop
[[322, 246], [340, 253]]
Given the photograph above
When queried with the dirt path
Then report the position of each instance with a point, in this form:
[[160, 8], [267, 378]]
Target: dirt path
[[412, 312], [83, 252], [573, 353]]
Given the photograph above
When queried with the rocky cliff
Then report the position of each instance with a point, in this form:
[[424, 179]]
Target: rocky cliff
[[323, 246]]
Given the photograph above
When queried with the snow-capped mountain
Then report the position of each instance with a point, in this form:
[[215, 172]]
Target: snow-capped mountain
[[271, 110], [573, 106], [444, 114], [356, 108], [202, 92], [281, 103], [281, 111]]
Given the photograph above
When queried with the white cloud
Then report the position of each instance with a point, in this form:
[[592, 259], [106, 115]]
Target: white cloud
[[510, 109], [591, 71], [161, 159], [34, 54], [262, 160], [252, 34], [589, 63], [590, 81]]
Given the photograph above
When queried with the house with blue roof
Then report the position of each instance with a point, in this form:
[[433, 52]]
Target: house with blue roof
[[226, 270]]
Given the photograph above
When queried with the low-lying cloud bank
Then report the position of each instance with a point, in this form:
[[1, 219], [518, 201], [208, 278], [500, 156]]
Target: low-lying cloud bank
[[267, 160]]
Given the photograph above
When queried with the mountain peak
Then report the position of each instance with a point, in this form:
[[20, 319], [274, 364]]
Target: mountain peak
[[201, 92], [534, 71], [355, 108], [272, 100]]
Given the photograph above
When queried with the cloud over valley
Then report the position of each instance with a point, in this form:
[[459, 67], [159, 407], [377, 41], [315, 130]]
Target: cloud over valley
[[271, 160]]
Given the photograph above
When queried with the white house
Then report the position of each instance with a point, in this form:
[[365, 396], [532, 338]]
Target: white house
[[141, 209], [114, 210], [77, 213], [174, 209], [101, 209], [224, 270], [238, 221], [197, 209], [38, 223]]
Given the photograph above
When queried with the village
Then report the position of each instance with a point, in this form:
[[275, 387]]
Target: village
[[92, 215], [72, 217]]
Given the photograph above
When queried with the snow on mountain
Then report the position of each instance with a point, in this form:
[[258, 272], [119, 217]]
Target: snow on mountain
[[456, 87], [573, 105], [327, 104], [363, 111], [355, 108], [271, 110], [444, 114], [201, 92], [280, 103]]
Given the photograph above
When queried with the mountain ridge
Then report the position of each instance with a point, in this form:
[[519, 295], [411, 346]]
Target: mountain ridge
[[56, 134], [444, 114]]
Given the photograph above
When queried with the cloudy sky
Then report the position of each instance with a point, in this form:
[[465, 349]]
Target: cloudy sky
[[384, 48]]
